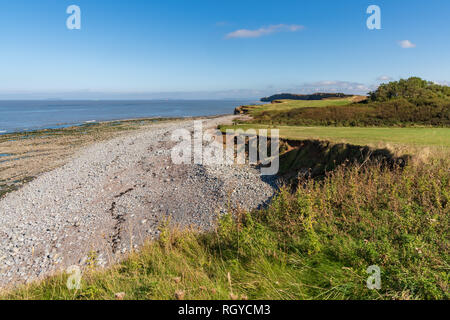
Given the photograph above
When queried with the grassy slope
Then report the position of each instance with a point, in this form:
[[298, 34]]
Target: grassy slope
[[288, 105], [360, 135], [398, 112], [313, 244]]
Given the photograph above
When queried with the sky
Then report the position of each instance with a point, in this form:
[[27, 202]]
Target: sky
[[216, 49]]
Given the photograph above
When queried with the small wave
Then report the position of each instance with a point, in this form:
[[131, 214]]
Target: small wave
[[3, 131], [90, 121]]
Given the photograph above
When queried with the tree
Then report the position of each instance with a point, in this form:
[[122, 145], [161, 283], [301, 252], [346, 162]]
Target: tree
[[410, 89]]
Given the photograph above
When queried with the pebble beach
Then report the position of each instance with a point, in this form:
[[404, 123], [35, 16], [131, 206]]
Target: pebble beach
[[111, 196]]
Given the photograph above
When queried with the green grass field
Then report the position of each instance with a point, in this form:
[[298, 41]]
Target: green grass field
[[436, 137], [288, 105]]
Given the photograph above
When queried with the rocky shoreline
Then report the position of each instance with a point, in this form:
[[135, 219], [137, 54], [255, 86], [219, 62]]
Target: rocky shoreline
[[112, 196]]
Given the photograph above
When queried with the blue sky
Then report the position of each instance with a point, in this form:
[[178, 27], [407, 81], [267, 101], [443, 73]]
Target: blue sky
[[216, 49]]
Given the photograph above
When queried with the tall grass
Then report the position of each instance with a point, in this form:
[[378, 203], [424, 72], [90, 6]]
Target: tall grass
[[315, 243]]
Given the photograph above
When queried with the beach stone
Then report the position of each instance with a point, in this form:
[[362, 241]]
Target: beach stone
[[101, 204]]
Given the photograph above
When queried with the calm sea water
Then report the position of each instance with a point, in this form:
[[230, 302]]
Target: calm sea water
[[31, 115]]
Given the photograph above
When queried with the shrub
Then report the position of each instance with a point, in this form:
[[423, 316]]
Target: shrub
[[395, 112], [402, 103]]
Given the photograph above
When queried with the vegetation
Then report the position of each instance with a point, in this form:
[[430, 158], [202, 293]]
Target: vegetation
[[288, 105], [435, 138], [403, 103], [413, 89], [316, 243], [314, 96], [317, 239], [397, 112]]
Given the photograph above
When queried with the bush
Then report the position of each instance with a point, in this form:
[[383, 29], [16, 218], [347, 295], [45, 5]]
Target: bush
[[411, 89], [402, 103], [395, 112]]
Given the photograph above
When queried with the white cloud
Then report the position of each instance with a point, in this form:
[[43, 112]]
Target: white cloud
[[384, 78], [245, 93], [245, 33], [406, 44], [222, 24], [331, 86], [442, 83], [327, 83]]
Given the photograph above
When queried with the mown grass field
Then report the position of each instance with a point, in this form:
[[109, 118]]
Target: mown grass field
[[437, 137], [288, 105]]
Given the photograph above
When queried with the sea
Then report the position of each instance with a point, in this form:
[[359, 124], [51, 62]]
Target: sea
[[19, 116]]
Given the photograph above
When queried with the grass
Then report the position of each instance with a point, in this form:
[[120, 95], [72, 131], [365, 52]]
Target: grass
[[398, 112], [288, 105], [436, 137], [316, 243]]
